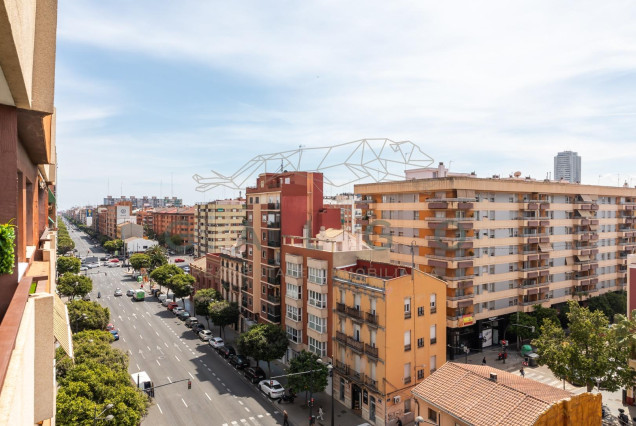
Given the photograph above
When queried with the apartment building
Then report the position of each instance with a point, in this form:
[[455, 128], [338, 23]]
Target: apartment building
[[175, 221], [112, 216], [206, 271], [567, 166], [236, 279], [280, 204], [389, 323], [503, 245], [306, 288], [145, 201], [218, 224], [344, 202], [145, 218], [33, 319]]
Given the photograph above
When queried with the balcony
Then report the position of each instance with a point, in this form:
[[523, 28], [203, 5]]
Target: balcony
[[235, 287], [371, 318], [273, 243], [341, 367], [354, 312], [371, 383], [407, 380], [341, 337], [273, 206], [273, 280], [341, 308], [274, 318], [354, 344], [273, 298], [371, 351], [273, 225]]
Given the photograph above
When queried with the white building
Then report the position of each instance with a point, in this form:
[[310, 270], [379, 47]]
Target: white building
[[136, 244], [567, 166]]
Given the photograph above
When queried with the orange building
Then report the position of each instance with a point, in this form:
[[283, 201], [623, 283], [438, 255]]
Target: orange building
[[145, 218], [175, 221], [111, 216]]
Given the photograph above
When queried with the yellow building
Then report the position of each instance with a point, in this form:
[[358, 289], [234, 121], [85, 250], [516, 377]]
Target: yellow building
[[389, 335], [218, 224]]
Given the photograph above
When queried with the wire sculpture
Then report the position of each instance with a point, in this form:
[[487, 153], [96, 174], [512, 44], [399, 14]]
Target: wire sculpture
[[375, 159]]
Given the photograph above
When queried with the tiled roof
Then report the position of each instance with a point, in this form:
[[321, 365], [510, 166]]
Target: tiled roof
[[198, 263], [466, 392]]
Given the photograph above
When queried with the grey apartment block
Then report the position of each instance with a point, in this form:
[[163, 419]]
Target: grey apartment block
[[567, 166]]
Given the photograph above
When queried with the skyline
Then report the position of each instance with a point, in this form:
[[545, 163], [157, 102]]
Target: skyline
[[145, 96]]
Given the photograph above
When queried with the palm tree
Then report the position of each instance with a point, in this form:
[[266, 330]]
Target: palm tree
[[157, 257]]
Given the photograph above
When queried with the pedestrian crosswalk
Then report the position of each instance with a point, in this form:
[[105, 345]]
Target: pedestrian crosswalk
[[250, 420], [551, 381]]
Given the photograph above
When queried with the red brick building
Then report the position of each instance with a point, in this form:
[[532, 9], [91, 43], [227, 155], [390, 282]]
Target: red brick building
[[175, 221], [206, 272]]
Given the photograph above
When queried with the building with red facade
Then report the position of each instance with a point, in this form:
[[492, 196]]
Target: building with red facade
[[206, 272], [288, 203], [175, 221]]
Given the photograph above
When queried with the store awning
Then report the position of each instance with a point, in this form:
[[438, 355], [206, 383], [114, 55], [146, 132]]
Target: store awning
[[545, 247], [61, 326]]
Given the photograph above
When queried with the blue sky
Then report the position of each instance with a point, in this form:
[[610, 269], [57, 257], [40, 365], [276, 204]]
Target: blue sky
[[150, 93]]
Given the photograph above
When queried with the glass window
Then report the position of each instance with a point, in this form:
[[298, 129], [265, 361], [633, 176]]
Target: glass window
[[319, 300], [433, 332], [294, 313], [318, 276], [317, 347], [317, 323], [294, 270], [294, 291], [294, 335]]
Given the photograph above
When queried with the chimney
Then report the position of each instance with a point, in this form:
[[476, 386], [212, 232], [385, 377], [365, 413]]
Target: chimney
[[493, 377], [441, 170]]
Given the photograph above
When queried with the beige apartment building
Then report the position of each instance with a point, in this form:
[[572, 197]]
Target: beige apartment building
[[389, 325], [218, 224], [503, 245]]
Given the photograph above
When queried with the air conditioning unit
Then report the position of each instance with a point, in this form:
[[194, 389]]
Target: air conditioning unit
[[397, 399]]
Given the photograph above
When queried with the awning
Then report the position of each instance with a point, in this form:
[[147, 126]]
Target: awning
[[585, 213], [582, 258], [586, 198], [545, 247], [465, 193], [51, 197], [61, 326]]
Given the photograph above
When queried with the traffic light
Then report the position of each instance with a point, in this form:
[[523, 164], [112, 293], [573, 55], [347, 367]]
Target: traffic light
[[189, 384], [312, 402]]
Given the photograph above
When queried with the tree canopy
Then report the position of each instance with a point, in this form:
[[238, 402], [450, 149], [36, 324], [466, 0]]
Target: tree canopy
[[87, 315], [72, 285], [313, 382], [68, 264], [164, 273], [181, 286], [610, 304], [223, 313], [591, 351], [265, 342], [139, 261], [541, 314], [527, 325], [65, 244], [202, 300], [113, 245], [176, 239], [157, 256]]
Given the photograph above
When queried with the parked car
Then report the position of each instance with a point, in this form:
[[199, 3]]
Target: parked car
[[205, 335], [166, 301], [115, 334], [186, 269], [176, 310], [239, 361], [196, 328], [254, 374], [226, 351], [118, 292], [216, 342], [183, 315], [110, 327], [178, 260], [83, 269], [191, 321], [130, 292], [271, 388], [172, 305]]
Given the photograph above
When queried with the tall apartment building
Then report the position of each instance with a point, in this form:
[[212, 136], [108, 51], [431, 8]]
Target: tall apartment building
[[389, 323], [145, 201], [504, 245], [218, 224], [33, 319], [306, 290], [145, 218], [175, 221], [344, 202], [567, 166], [112, 216], [280, 204]]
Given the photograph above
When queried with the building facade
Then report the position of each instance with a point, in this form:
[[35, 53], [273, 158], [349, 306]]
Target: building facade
[[389, 323], [145, 201], [175, 221], [112, 216], [218, 224], [503, 245], [33, 319], [567, 166], [279, 204]]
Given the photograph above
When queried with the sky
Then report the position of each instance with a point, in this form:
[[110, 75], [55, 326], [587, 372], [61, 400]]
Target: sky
[[150, 93]]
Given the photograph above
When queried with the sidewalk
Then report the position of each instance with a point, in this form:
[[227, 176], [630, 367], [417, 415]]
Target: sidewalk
[[298, 411]]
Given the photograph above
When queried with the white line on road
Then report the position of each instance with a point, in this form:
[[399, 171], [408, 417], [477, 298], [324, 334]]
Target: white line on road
[[204, 364], [169, 380], [141, 337], [177, 358], [149, 323], [209, 369], [218, 378], [241, 402], [247, 409], [206, 394], [190, 374], [159, 409], [156, 333], [184, 403], [165, 344], [134, 327], [214, 374], [123, 339], [158, 363], [148, 348], [138, 367]]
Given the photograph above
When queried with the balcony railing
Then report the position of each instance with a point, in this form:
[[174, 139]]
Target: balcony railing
[[372, 383], [275, 318], [342, 367], [341, 307], [371, 351], [273, 280], [353, 312], [273, 298], [341, 337], [371, 318], [354, 344], [407, 380]]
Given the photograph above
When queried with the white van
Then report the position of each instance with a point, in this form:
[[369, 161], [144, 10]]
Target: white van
[[162, 297]]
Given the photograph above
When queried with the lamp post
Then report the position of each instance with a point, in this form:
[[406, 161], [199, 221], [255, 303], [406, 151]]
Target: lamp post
[[108, 418]]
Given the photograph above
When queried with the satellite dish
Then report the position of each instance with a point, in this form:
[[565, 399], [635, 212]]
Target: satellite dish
[[517, 174]]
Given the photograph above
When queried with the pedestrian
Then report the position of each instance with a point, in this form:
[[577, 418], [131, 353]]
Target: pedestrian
[[523, 373], [321, 413], [285, 418], [483, 361]]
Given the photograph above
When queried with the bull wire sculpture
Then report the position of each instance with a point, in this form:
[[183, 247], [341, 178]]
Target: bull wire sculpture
[[375, 159]]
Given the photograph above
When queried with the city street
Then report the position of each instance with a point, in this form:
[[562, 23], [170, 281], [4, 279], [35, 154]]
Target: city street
[[160, 344]]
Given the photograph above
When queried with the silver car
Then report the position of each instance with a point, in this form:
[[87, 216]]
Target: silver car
[[205, 335]]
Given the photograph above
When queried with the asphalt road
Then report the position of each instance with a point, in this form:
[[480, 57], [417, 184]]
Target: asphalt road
[[160, 344]]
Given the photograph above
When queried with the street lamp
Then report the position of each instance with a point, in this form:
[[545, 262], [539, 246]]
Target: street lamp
[[108, 418]]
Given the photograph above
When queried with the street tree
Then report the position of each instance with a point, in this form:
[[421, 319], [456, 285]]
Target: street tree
[[176, 239], [223, 313], [113, 245], [64, 245], [139, 261], [526, 328], [591, 352], [91, 346], [625, 329], [157, 256], [202, 300], [264, 342], [164, 273], [68, 264], [72, 285], [181, 286], [541, 314], [312, 382], [85, 315]]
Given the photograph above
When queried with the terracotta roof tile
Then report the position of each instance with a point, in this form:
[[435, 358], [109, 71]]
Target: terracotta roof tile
[[467, 392]]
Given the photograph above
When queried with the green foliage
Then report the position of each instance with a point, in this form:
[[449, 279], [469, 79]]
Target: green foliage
[[113, 245], [164, 273], [313, 382], [161, 239], [72, 285], [64, 245], [176, 239], [139, 260], [591, 351], [157, 256], [265, 342], [625, 329], [68, 264], [524, 330], [202, 299], [7, 248], [223, 313], [609, 303], [87, 315], [541, 314], [181, 286]]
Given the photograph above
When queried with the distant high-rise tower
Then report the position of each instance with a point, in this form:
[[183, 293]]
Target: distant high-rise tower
[[567, 165]]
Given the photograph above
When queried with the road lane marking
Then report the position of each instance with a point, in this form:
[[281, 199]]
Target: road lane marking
[[123, 339], [190, 374], [148, 348], [214, 374], [241, 402], [134, 327], [156, 333], [177, 358], [184, 403], [218, 378], [138, 367], [206, 394], [260, 416], [247, 409], [158, 363], [159, 409], [169, 380], [166, 344], [209, 369], [141, 337], [204, 364]]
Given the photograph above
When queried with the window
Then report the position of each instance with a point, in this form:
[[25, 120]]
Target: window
[[420, 311], [432, 415], [318, 276], [407, 372], [420, 374], [294, 270], [420, 342], [294, 313], [294, 291], [407, 307], [433, 303], [317, 323], [433, 332], [319, 300], [433, 363], [317, 347], [407, 340], [294, 335]]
